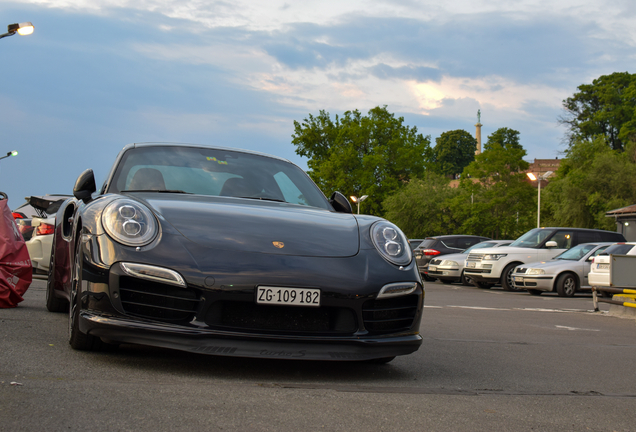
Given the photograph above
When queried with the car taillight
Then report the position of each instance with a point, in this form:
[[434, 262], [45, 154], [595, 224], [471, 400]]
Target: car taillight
[[45, 229], [17, 215], [430, 252]]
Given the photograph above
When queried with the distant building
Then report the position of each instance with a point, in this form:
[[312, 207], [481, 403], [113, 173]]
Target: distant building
[[625, 221]]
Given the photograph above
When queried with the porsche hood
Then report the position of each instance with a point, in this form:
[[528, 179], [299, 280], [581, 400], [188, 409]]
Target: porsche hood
[[259, 226]]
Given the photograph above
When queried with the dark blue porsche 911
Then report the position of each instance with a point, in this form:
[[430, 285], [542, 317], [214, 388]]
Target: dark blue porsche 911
[[229, 252]]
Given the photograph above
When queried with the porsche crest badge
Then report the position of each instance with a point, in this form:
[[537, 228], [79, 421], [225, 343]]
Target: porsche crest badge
[[278, 244]]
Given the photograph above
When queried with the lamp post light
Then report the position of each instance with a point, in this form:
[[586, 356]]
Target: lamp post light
[[23, 29], [357, 200], [11, 153], [532, 177]]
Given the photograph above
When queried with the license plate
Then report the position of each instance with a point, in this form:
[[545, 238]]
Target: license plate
[[470, 265], [288, 296], [603, 266], [518, 279]]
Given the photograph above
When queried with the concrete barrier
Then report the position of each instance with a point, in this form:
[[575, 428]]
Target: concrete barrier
[[623, 302]]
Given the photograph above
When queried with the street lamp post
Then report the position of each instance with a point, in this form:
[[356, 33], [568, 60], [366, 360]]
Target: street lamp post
[[23, 29], [532, 177], [357, 200], [11, 153]]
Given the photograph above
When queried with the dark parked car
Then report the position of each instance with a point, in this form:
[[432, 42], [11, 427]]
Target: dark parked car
[[229, 252], [435, 246], [414, 243]]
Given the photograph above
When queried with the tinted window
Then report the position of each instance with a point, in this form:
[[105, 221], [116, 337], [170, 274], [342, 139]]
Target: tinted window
[[428, 243], [589, 237], [451, 243], [612, 237], [619, 249], [563, 239]]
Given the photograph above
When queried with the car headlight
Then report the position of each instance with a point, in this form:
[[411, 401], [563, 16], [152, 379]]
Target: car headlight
[[392, 244], [535, 271], [129, 222], [493, 257], [449, 263]]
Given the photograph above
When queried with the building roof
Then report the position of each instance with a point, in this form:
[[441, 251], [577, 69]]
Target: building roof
[[625, 211]]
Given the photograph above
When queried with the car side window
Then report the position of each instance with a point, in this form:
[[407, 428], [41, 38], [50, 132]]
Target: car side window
[[598, 251], [563, 239], [588, 237], [451, 243]]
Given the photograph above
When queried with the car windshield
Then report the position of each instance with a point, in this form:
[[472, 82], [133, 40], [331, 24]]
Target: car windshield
[[215, 172], [576, 253], [532, 238]]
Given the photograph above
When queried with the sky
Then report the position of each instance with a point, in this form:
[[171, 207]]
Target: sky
[[98, 74]]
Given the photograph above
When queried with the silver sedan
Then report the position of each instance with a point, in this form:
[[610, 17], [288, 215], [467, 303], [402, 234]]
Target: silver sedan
[[566, 273], [450, 268]]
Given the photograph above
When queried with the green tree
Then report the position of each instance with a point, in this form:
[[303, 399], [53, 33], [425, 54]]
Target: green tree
[[453, 151], [372, 155], [591, 180], [505, 137], [421, 208], [495, 199], [607, 107]]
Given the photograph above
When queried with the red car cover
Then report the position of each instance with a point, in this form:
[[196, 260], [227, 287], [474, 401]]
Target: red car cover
[[15, 263]]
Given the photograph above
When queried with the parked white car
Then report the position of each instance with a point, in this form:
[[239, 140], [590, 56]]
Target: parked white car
[[566, 274], [600, 269], [491, 266], [450, 268]]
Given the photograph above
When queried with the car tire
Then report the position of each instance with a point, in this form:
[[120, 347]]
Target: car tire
[[534, 292], [506, 278], [567, 285], [77, 339], [427, 278], [53, 304], [465, 280]]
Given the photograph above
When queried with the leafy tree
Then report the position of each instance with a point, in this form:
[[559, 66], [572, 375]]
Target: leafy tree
[[505, 137], [607, 107], [453, 151], [421, 208], [495, 199], [592, 180], [372, 155]]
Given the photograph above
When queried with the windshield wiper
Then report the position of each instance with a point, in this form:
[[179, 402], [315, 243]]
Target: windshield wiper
[[263, 198], [159, 191]]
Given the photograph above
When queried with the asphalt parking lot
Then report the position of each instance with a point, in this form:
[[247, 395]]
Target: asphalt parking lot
[[491, 360]]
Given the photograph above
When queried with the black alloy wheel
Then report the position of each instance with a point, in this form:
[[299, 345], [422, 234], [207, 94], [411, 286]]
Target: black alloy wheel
[[76, 338], [506, 278], [567, 285], [53, 304]]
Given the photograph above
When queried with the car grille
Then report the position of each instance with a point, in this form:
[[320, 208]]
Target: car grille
[[474, 257], [390, 315], [158, 301], [248, 316]]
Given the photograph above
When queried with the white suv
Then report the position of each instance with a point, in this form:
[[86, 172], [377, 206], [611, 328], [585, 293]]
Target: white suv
[[487, 267]]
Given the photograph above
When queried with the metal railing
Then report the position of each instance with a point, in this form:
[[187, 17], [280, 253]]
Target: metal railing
[[612, 290]]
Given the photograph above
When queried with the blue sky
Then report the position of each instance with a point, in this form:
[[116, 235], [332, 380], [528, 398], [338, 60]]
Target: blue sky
[[99, 74]]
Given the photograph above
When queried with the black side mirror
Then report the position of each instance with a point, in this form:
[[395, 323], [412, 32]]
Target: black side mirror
[[340, 203], [85, 186]]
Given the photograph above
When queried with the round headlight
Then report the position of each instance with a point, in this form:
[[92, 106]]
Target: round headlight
[[129, 222], [391, 243]]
